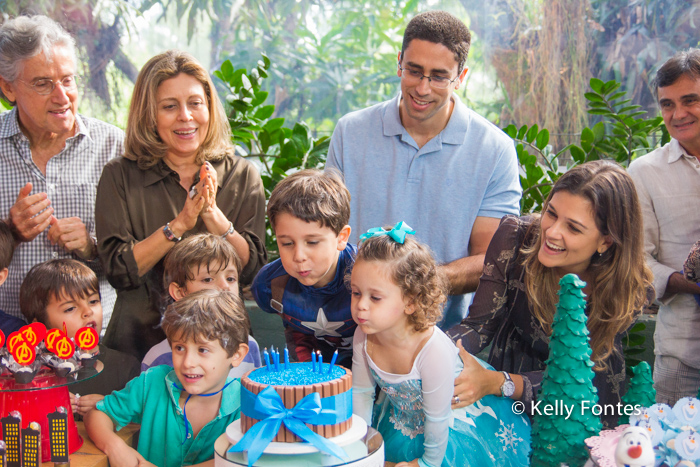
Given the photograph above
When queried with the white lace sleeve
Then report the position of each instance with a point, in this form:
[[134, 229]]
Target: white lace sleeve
[[362, 382], [436, 364]]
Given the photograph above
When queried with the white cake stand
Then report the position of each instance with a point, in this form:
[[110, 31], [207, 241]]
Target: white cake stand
[[363, 445]]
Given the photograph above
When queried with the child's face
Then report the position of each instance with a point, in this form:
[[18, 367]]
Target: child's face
[[213, 278], [202, 367], [76, 312], [309, 252], [377, 306]]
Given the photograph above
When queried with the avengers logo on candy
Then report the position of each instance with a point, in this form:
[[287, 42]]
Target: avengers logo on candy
[[33, 333], [24, 354], [21, 343], [63, 347], [51, 338], [86, 338]]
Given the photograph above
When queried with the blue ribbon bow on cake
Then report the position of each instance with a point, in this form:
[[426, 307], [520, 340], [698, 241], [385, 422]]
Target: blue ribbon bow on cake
[[269, 403]]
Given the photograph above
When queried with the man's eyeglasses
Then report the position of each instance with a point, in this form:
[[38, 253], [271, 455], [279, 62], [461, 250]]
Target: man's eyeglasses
[[415, 77], [46, 86]]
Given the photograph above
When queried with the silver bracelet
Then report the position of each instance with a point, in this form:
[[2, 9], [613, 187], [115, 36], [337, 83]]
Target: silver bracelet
[[230, 231]]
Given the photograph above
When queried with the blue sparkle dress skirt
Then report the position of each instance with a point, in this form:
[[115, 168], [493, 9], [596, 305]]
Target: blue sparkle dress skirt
[[415, 418]]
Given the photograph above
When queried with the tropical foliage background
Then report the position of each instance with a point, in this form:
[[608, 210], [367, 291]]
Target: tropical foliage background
[[568, 80]]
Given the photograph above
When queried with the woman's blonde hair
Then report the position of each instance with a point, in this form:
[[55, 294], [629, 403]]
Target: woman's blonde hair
[[619, 279], [413, 270], [142, 142]]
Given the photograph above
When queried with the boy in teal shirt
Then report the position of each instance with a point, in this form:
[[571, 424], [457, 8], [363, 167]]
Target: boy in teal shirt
[[184, 409]]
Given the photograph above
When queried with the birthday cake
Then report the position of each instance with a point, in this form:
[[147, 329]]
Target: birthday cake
[[293, 382]]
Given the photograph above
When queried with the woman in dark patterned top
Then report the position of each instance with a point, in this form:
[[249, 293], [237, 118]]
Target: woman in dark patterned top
[[591, 226]]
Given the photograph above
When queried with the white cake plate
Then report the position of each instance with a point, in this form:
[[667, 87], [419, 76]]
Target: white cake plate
[[356, 432]]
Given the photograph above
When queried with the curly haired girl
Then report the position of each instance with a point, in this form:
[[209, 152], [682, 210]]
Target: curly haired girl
[[397, 294]]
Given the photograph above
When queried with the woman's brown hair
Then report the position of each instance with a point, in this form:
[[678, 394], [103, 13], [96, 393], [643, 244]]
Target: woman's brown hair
[[618, 279], [142, 142]]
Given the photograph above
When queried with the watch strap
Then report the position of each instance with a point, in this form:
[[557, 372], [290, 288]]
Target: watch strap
[[169, 233]]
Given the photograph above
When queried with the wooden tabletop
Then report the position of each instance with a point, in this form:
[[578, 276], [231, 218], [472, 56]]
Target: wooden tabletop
[[89, 455]]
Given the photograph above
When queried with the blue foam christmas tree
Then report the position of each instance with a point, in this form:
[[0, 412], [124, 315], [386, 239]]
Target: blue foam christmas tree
[[567, 382]]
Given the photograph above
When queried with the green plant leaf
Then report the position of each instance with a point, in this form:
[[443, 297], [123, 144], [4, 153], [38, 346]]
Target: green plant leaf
[[542, 139], [577, 154], [259, 98], [593, 96], [274, 124], [587, 139], [531, 133], [597, 85], [521, 132], [264, 112], [226, 71], [628, 108], [610, 86], [605, 112], [599, 131], [300, 134]]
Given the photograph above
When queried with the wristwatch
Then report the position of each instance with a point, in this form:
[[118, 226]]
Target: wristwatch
[[508, 386], [169, 234]]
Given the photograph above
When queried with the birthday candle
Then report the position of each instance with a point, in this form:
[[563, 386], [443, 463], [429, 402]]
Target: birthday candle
[[267, 359], [333, 359], [277, 360], [313, 361], [286, 358], [320, 361]]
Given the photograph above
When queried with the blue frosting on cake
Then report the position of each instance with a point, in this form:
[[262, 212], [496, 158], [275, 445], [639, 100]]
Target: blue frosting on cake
[[298, 374]]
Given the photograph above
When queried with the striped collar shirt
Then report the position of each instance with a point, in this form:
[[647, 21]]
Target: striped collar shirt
[[70, 182]]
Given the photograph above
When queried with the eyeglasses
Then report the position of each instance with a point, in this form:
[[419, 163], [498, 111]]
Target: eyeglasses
[[46, 86], [415, 77]]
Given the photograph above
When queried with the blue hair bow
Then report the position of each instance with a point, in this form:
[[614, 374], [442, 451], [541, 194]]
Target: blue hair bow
[[398, 233]]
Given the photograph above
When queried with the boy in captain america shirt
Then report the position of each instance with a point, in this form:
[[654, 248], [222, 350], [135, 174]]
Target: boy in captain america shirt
[[309, 212]]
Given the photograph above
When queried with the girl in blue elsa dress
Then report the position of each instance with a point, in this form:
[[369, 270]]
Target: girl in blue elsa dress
[[397, 294]]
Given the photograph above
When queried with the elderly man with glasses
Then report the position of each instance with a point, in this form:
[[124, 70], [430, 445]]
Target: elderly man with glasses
[[51, 157], [425, 158]]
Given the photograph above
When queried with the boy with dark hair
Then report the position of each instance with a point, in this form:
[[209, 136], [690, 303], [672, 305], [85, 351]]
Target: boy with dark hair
[[65, 292], [309, 212], [8, 323], [202, 261], [184, 409]]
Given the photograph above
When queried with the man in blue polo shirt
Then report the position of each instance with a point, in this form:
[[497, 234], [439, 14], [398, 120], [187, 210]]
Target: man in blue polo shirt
[[426, 159]]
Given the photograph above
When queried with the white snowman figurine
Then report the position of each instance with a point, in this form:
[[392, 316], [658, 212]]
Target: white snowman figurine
[[634, 448]]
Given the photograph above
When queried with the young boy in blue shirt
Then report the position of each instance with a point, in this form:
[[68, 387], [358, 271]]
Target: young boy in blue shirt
[[182, 410], [309, 212], [202, 261]]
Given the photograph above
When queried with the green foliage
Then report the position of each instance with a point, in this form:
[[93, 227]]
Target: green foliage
[[260, 136], [627, 133], [330, 58], [621, 135], [4, 105], [633, 345]]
